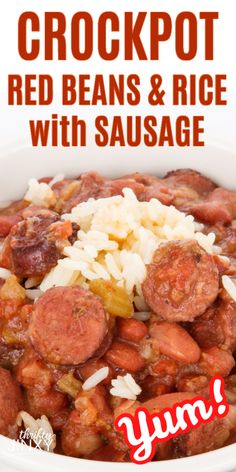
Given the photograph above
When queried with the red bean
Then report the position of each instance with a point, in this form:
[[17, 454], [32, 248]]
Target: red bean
[[125, 357], [47, 403], [217, 361], [155, 386], [89, 368], [175, 342], [131, 329]]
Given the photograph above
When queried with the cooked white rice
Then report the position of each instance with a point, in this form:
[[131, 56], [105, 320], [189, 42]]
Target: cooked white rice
[[96, 378], [31, 282], [39, 194], [142, 315], [117, 238], [57, 178], [33, 294], [5, 273], [125, 387], [229, 286], [35, 427], [224, 259]]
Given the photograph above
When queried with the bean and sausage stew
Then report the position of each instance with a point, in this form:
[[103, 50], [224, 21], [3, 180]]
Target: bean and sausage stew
[[95, 322]]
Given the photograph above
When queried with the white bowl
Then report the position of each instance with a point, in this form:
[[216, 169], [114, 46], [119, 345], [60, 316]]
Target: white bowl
[[17, 167]]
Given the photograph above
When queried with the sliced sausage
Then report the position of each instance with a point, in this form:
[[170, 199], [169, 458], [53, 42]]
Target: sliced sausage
[[144, 186], [205, 438], [175, 342], [105, 343], [10, 404], [184, 197], [219, 207], [115, 187], [154, 187], [225, 237], [155, 405], [158, 190], [30, 248], [88, 186], [182, 281], [190, 178], [188, 187], [231, 417], [68, 325], [34, 245], [230, 390], [217, 327], [211, 212]]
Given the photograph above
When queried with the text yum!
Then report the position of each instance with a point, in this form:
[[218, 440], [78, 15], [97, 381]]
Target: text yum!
[[143, 430]]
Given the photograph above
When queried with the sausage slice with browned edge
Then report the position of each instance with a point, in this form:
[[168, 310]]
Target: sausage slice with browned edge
[[30, 250], [68, 325], [182, 281]]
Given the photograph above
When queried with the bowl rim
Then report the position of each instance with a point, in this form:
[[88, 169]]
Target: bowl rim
[[23, 458], [12, 452]]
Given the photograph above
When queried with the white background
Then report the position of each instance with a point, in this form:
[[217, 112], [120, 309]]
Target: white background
[[219, 121]]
